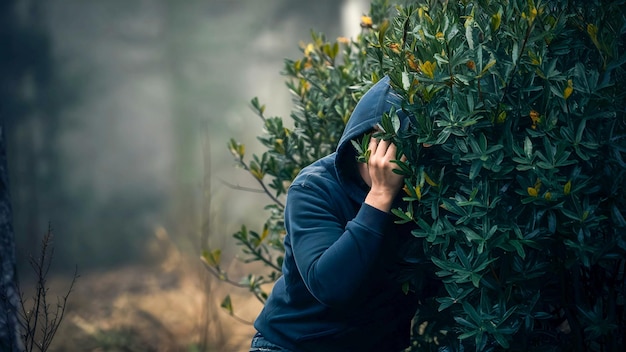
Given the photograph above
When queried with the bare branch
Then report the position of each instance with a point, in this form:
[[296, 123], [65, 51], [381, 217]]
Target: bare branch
[[241, 320], [38, 321], [220, 275], [241, 188]]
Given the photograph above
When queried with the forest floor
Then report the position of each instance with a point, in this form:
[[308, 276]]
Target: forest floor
[[171, 306]]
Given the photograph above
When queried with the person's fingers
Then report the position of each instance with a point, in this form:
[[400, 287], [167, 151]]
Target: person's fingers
[[382, 148], [390, 153], [383, 151], [373, 145], [380, 167]]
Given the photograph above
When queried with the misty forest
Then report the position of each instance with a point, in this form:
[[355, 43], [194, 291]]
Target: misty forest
[[116, 117]]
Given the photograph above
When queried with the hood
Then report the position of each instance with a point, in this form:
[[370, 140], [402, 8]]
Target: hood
[[379, 99]]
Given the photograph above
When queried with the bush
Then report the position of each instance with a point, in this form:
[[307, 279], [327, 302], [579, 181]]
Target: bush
[[515, 177]]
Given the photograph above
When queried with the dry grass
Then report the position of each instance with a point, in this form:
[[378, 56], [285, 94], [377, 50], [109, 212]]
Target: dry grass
[[171, 306]]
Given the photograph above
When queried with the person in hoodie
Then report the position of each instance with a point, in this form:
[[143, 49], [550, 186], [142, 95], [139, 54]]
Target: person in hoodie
[[341, 288]]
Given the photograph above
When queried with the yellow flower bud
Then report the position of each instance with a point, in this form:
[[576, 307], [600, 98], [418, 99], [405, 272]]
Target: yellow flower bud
[[428, 68], [429, 180], [410, 59], [366, 22], [535, 118], [567, 188], [395, 48], [501, 117], [569, 89], [592, 30], [496, 19], [533, 14], [343, 40], [310, 48]]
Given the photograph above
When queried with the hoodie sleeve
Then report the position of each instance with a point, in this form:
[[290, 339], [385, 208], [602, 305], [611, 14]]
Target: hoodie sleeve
[[334, 258]]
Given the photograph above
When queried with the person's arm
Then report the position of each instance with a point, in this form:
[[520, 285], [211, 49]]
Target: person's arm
[[335, 261], [333, 258]]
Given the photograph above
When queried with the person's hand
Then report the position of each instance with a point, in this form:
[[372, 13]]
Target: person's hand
[[384, 183]]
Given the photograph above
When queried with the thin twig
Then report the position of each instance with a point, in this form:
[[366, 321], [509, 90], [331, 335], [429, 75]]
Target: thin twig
[[59, 314], [241, 188], [259, 256], [241, 320], [221, 275], [39, 323], [265, 189]]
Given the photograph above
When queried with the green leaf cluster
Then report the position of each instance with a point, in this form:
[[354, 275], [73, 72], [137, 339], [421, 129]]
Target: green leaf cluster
[[515, 161], [518, 107]]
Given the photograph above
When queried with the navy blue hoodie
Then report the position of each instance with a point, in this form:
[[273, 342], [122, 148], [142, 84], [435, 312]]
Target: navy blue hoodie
[[340, 289]]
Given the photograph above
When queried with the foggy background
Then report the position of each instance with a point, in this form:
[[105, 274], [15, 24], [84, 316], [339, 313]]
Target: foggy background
[[116, 100], [113, 108]]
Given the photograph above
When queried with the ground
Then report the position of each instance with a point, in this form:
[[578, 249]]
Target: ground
[[169, 306]]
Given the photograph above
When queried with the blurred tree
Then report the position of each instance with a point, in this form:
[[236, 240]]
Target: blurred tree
[[325, 12], [9, 298], [27, 111], [23, 65]]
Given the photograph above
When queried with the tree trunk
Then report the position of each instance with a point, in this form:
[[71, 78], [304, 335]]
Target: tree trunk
[[9, 300]]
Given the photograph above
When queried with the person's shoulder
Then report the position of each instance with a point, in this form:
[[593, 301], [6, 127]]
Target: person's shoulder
[[321, 173]]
